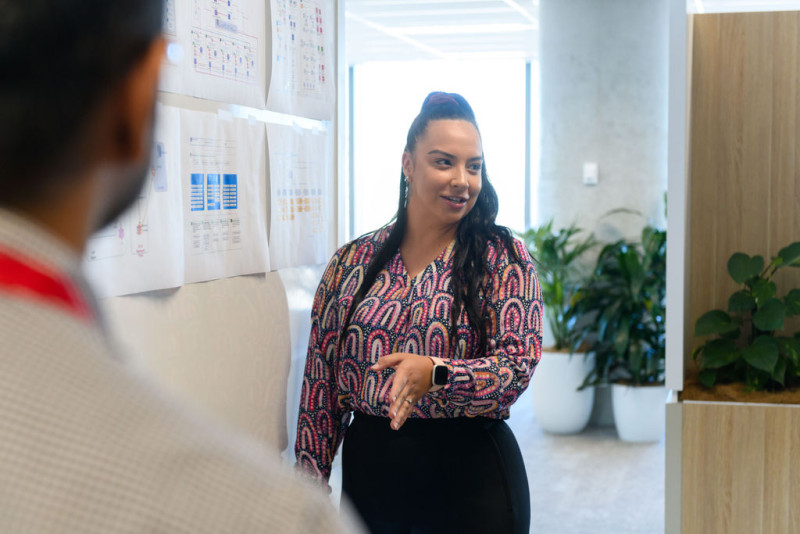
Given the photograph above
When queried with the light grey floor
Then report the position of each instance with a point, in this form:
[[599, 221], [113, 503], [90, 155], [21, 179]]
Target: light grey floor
[[588, 483]]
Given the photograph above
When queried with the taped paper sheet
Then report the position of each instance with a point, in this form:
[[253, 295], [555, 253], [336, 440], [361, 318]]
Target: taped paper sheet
[[143, 249], [302, 77], [301, 188], [223, 175], [217, 50]]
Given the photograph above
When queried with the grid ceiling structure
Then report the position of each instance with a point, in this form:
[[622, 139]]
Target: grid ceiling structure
[[386, 30]]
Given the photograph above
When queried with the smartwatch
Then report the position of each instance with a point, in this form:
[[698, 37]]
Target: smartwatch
[[440, 375]]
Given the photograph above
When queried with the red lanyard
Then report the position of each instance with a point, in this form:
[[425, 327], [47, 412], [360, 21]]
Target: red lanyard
[[27, 279]]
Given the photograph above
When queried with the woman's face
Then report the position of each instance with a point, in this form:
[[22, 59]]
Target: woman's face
[[444, 173]]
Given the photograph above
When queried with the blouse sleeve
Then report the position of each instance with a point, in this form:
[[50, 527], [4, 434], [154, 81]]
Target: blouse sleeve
[[321, 421], [514, 317]]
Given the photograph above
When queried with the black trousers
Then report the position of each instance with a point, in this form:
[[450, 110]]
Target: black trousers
[[463, 475]]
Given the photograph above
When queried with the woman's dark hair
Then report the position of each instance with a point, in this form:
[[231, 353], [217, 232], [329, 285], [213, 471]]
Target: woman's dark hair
[[474, 232]]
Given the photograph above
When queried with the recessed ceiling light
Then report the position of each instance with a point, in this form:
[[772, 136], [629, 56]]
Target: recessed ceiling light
[[456, 29]]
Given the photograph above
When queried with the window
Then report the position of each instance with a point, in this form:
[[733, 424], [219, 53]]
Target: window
[[386, 98]]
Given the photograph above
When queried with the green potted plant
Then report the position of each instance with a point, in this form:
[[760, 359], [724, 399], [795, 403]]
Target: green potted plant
[[746, 346], [560, 407], [623, 304]]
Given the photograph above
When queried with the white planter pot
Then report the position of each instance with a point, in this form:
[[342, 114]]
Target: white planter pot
[[639, 412], [559, 407]]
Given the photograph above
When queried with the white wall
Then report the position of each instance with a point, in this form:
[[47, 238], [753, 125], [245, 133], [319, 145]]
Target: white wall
[[223, 346], [233, 347], [604, 81]]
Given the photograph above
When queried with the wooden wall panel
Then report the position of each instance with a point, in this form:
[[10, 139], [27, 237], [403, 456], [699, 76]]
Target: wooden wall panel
[[744, 161], [705, 111], [740, 473]]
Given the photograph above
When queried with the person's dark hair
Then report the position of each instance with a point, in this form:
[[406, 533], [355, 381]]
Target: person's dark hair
[[58, 59], [474, 233]]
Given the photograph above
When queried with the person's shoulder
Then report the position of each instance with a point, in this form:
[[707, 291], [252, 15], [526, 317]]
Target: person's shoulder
[[238, 482], [360, 250], [374, 238], [241, 485], [103, 426], [500, 254]]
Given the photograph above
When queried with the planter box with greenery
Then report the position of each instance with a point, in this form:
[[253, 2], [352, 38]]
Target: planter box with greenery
[[746, 347], [740, 415], [559, 405]]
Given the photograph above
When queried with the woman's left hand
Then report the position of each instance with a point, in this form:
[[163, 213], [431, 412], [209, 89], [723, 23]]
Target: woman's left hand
[[412, 380]]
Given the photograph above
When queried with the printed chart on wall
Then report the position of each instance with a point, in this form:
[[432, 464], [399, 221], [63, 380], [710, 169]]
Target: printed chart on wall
[[143, 249], [302, 80], [217, 50], [301, 183], [223, 174]]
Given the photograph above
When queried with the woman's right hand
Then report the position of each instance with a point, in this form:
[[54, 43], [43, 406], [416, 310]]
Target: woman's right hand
[[412, 380]]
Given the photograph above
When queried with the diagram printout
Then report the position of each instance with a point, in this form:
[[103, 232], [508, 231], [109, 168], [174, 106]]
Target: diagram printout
[[218, 52], [223, 175], [302, 79], [143, 249], [170, 29], [301, 184]]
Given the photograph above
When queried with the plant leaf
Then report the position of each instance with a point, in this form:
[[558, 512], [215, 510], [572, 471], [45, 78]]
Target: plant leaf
[[790, 348], [634, 362], [733, 334], [755, 380], [741, 301], [696, 352], [792, 301], [622, 336], [718, 353], [791, 254], [708, 377], [763, 290], [762, 354], [714, 322], [778, 375], [770, 316], [742, 267]]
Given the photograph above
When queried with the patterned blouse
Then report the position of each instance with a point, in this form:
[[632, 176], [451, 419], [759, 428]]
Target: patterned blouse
[[403, 314]]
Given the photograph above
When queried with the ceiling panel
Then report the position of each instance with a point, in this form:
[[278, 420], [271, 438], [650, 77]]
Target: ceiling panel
[[381, 30]]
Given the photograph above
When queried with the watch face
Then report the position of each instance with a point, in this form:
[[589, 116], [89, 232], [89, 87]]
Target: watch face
[[440, 375]]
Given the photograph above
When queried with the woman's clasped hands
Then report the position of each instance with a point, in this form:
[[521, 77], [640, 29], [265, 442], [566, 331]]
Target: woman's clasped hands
[[412, 380]]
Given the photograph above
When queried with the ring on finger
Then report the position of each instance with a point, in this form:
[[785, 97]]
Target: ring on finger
[[409, 401]]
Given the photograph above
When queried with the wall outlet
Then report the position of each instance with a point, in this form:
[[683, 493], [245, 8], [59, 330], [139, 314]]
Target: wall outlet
[[590, 172]]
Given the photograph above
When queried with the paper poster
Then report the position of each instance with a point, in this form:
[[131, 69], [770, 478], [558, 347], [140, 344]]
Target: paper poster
[[302, 79], [169, 27], [217, 50], [223, 179], [143, 249], [301, 189]]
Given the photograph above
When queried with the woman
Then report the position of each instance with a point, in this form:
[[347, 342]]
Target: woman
[[427, 330]]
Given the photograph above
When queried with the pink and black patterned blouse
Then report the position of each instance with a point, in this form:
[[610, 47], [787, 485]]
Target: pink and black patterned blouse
[[402, 314]]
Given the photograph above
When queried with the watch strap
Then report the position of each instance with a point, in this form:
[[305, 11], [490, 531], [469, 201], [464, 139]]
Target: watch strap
[[437, 362]]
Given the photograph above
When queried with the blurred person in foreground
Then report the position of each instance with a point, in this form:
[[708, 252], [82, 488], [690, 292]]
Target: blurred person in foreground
[[86, 444]]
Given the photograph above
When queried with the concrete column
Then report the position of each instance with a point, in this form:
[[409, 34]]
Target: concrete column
[[604, 82]]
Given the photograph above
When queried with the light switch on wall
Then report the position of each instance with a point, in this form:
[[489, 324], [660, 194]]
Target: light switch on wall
[[590, 172]]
